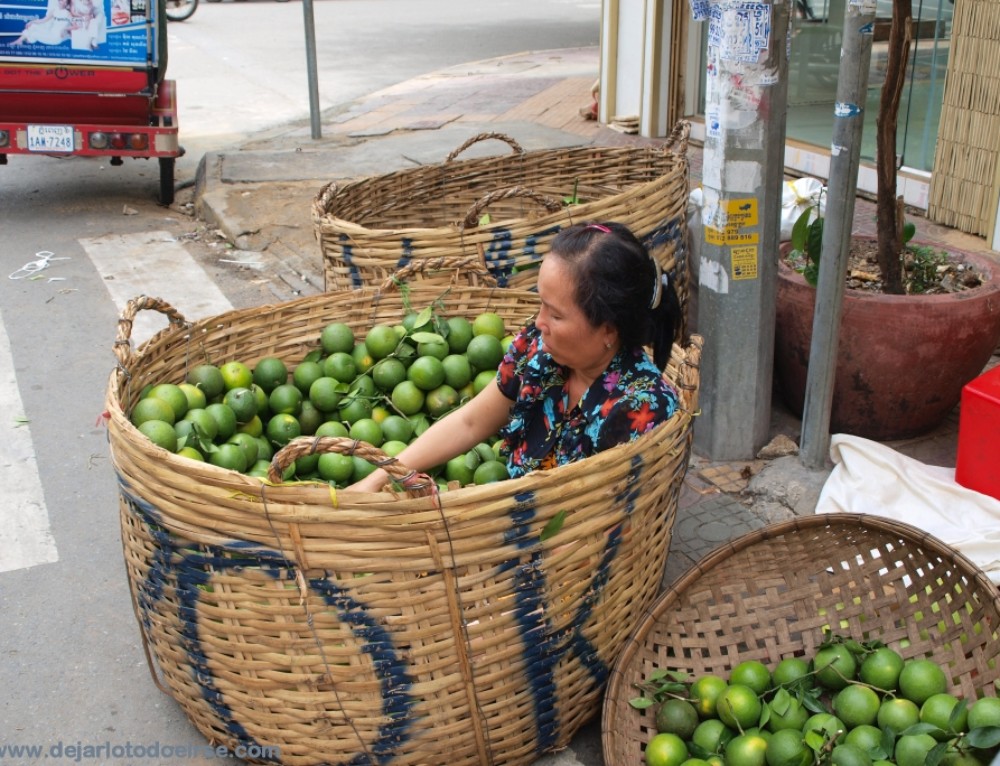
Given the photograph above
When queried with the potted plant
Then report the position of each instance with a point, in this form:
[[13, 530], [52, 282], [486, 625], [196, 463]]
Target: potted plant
[[903, 354]]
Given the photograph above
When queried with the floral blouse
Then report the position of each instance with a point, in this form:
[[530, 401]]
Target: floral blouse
[[546, 429]]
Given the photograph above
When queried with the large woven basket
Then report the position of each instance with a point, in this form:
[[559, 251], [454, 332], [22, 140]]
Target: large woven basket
[[771, 593], [376, 628], [371, 227]]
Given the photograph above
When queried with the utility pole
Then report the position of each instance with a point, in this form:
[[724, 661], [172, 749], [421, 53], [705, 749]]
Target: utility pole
[[845, 156], [744, 162]]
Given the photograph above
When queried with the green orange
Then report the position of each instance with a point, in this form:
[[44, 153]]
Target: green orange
[[337, 336], [485, 352], [208, 378], [269, 373], [236, 375], [705, 691], [173, 395], [381, 340], [738, 707]]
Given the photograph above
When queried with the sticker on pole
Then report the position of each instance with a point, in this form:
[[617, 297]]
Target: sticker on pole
[[744, 261], [741, 31]]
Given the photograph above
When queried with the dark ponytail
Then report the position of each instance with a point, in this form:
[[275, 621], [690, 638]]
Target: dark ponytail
[[663, 320]]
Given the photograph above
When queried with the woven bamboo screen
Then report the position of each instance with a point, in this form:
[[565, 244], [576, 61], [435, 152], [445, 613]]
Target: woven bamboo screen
[[963, 187]]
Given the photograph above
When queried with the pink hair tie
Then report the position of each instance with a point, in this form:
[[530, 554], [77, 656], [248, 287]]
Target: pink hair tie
[[598, 227]]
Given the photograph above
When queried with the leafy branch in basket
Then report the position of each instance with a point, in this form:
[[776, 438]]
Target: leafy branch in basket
[[661, 685]]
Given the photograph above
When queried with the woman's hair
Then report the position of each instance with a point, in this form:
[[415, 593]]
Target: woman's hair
[[617, 283]]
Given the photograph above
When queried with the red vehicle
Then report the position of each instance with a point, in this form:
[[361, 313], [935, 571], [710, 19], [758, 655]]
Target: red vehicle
[[86, 78]]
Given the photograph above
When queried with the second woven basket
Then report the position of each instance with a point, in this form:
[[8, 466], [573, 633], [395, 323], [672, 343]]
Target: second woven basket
[[775, 592]]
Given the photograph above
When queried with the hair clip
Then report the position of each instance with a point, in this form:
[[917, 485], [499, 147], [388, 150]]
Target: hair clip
[[598, 227]]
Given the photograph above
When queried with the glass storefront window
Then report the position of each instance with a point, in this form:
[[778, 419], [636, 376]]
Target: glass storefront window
[[814, 64]]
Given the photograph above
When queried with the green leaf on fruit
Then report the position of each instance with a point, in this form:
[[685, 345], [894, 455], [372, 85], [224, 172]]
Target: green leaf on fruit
[[423, 317], [427, 337], [984, 737], [641, 703]]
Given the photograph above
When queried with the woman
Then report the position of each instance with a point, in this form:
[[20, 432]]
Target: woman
[[577, 380], [52, 29]]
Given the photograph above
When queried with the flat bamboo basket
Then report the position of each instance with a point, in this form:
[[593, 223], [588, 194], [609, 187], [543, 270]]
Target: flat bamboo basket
[[773, 592], [309, 626], [371, 227]]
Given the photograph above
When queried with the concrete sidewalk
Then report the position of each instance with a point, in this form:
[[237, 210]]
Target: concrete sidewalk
[[260, 195]]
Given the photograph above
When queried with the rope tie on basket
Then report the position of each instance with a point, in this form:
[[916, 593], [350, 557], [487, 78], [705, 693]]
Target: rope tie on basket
[[300, 580]]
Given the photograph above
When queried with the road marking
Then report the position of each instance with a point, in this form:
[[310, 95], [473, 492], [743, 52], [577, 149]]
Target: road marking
[[25, 536], [154, 263]]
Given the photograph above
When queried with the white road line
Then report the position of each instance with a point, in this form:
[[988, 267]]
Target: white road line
[[25, 537], [154, 263]]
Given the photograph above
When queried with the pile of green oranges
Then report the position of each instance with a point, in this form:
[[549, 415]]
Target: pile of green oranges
[[385, 389], [852, 705]]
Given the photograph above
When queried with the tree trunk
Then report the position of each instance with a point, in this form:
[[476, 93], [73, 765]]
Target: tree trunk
[[890, 243]]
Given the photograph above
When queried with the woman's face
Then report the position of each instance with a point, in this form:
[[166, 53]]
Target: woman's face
[[567, 334]]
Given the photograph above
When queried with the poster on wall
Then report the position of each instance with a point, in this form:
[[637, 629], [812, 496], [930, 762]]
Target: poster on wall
[[99, 32]]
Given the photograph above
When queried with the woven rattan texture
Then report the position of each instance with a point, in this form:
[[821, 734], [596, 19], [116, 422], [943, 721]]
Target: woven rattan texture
[[370, 227], [772, 593], [355, 629]]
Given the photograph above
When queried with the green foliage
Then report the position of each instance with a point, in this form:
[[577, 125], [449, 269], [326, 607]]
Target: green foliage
[[660, 685], [922, 272], [807, 243]]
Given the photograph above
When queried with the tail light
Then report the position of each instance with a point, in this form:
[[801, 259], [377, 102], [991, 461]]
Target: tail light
[[135, 142]]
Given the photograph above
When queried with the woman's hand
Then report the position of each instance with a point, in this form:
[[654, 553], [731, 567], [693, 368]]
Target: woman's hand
[[373, 482], [452, 435]]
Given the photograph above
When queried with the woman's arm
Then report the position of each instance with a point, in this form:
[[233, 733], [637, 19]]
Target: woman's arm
[[459, 432]]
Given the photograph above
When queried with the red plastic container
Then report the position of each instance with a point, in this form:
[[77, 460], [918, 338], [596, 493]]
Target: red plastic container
[[978, 461]]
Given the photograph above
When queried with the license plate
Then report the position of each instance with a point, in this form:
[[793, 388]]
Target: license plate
[[50, 138]]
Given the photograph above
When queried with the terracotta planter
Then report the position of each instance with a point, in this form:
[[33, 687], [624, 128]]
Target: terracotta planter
[[902, 359]]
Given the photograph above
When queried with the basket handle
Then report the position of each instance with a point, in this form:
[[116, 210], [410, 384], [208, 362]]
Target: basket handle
[[514, 145], [551, 204], [677, 141], [321, 202], [123, 341], [468, 265], [416, 484]]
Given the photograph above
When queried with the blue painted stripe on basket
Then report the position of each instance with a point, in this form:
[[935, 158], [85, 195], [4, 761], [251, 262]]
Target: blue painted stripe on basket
[[404, 260], [539, 647], [530, 249], [347, 251], [192, 570], [394, 678], [582, 647], [497, 255], [667, 232]]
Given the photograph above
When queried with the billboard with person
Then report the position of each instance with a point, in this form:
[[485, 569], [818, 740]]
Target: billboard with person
[[101, 32]]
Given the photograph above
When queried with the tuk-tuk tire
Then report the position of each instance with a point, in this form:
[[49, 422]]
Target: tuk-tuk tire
[[166, 180]]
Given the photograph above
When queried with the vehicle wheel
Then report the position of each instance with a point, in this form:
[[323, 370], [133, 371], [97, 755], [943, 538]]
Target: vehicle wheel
[[166, 180], [179, 10]]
